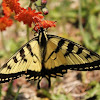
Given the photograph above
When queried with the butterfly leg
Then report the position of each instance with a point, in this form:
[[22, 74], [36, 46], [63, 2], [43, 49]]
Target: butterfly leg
[[38, 85], [49, 81]]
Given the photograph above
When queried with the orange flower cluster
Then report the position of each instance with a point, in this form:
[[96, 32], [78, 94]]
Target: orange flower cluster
[[5, 22], [7, 11], [13, 5], [45, 24], [28, 16]]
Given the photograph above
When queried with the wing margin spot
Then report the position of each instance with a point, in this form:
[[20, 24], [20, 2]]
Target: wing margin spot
[[29, 74], [4, 66], [8, 77], [15, 59], [25, 60], [9, 67], [85, 67]]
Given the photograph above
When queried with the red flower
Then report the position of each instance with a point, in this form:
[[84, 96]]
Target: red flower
[[27, 16], [13, 5], [7, 10], [5, 22], [45, 24]]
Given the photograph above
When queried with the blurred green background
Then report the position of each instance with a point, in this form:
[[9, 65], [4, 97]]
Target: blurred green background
[[77, 20]]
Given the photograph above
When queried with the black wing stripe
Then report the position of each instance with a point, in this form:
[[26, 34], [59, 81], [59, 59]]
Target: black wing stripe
[[79, 51], [70, 47], [30, 49], [66, 54], [60, 44], [4, 66], [22, 53]]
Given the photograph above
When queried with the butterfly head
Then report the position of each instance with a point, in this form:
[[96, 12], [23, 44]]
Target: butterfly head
[[41, 29], [42, 36]]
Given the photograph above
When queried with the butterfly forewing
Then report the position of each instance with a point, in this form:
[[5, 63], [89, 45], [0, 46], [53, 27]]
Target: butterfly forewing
[[25, 60]]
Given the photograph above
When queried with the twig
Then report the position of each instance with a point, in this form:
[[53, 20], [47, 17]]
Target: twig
[[80, 18], [27, 27], [17, 93], [3, 42]]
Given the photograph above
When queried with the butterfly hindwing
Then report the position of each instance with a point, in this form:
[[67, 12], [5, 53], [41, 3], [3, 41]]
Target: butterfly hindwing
[[63, 54], [25, 60]]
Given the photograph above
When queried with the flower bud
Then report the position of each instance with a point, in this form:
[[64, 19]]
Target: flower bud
[[45, 11], [43, 2]]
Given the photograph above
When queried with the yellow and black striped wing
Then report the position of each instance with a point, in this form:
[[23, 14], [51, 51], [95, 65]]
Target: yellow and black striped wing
[[26, 61], [63, 54]]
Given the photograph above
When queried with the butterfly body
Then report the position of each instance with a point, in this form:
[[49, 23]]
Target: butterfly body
[[48, 56]]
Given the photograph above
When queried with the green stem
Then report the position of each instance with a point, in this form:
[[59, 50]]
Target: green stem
[[0, 91], [17, 93], [36, 7], [30, 5], [82, 33], [9, 91], [3, 42], [17, 27], [27, 33], [80, 18]]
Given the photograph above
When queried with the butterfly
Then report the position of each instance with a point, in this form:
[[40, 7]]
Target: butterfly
[[48, 56]]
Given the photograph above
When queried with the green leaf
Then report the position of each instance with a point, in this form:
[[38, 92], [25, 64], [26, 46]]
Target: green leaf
[[93, 26], [2, 53], [12, 46], [94, 92], [59, 97]]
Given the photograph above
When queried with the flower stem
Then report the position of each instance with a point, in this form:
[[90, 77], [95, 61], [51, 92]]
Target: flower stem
[[80, 18], [30, 5], [27, 33], [17, 93], [10, 87], [36, 7], [0, 91], [3, 42], [82, 33]]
